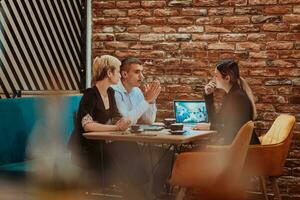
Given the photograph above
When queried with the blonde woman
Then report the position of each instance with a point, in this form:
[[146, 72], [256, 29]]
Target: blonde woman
[[96, 112], [238, 105]]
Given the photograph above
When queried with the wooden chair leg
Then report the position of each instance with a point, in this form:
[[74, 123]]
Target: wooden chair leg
[[275, 187], [263, 186]]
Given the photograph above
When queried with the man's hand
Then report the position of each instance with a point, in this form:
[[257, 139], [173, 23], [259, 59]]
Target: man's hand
[[152, 91], [123, 124]]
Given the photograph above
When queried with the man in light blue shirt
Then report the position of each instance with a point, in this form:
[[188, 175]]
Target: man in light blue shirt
[[132, 103]]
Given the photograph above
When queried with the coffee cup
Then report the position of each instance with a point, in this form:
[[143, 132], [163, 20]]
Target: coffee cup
[[135, 127], [169, 121], [176, 126]]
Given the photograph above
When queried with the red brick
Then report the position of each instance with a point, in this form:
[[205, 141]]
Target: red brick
[[123, 54], [252, 64], [152, 54], [263, 72], [139, 29], [191, 29], [168, 62], [248, 46], [278, 9], [139, 13], [127, 36], [205, 2], [278, 82], [274, 99], [288, 36], [103, 21], [288, 108], [164, 29], [194, 12], [205, 37], [246, 28], [97, 45], [262, 2], [209, 20], [180, 3], [296, 10], [275, 27], [261, 37], [193, 46], [289, 72], [265, 19], [114, 13], [279, 45], [283, 63], [128, 21], [142, 46], [248, 11], [216, 29], [236, 20], [194, 63], [128, 4], [152, 37], [116, 45], [179, 88], [289, 1], [295, 28], [284, 90], [153, 4], [195, 54], [165, 12], [201, 73], [263, 54], [262, 90], [289, 54], [178, 37], [234, 2], [291, 19], [225, 46], [103, 37], [103, 4], [180, 20], [154, 21], [233, 37], [220, 11], [177, 72], [265, 107]]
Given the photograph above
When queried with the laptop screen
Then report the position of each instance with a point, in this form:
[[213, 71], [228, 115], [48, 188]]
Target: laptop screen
[[190, 111]]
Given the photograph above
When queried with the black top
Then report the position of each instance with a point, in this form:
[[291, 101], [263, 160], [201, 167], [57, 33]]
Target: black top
[[235, 111], [91, 107]]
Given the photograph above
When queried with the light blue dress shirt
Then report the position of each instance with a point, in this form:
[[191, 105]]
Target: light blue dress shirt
[[133, 105]]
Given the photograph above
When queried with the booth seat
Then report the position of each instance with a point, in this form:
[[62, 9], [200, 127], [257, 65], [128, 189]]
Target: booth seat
[[33, 128]]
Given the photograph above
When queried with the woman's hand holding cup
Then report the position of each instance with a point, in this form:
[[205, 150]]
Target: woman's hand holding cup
[[210, 87]]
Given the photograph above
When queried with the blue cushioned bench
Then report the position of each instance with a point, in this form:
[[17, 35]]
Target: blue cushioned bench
[[26, 122]]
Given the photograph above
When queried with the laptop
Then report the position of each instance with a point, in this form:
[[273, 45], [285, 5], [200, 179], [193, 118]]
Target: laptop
[[190, 112]]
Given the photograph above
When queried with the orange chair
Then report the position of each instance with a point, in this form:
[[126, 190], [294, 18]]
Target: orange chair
[[267, 159], [213, 175]]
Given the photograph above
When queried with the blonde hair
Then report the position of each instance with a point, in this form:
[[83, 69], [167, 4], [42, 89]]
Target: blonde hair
[[102, 65], [245, 86]]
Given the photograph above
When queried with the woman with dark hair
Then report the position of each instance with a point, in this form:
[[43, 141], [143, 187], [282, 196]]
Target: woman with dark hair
[[238, 104]]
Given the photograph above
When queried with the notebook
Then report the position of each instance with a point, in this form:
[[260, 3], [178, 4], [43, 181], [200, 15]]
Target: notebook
[[190, 112]]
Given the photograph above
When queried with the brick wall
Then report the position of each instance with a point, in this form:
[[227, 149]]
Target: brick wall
[[181, 40]]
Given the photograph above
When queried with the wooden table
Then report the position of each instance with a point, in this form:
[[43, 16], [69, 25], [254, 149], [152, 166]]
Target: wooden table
[[159, 137]]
